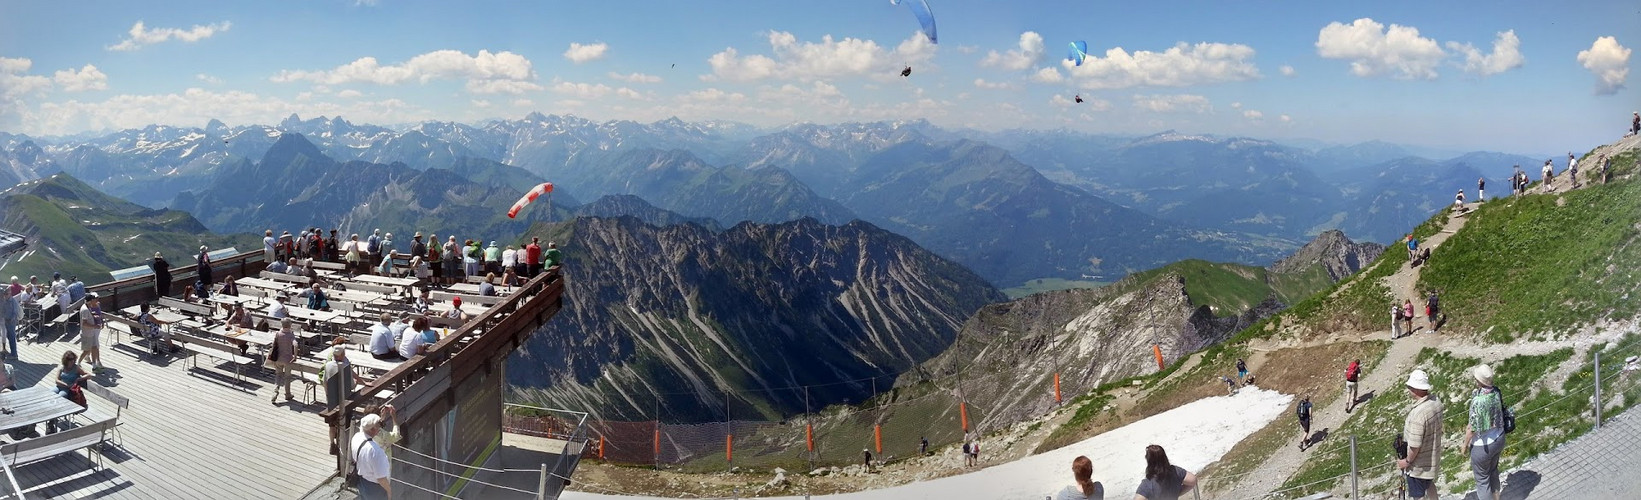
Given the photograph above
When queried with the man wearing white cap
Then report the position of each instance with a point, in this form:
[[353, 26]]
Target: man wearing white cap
[[1423, 431], [91, 329], [1484, 434], [371, 461]]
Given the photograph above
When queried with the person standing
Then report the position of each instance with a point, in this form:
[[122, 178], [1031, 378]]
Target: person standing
[[375, 470], [923, 446], [417, 247], [11, 312], [552, 257], [1481, 189], [492, 258], [532, 256], [1484, 434], [1395, 321], [434, 256], [204, 263], [1423, 431], [452, 261], [1083, 486], [1635, 123], [1433, 312], [284, 353], [333, 247], [1407, 316], [1549, 175], [1352, 373], [1163, 480], [1572, 169], [866, 458], [373, 247], [162, 275], [268, 242], [1304, 414], [91, 330], [1241, 371]]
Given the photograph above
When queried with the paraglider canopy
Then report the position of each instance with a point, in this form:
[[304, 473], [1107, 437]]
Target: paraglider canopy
[[1078, 97], [906, 72], [1078, 52], [543, 188], [920, 8]]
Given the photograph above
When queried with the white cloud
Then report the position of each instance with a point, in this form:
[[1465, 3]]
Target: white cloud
[[1609, 61], [629, 93], [208, 79], [583, 90], [967, 49], [1029, 52], [140, 35], [1089, 103], [828, 58], [712, 94], [1236, 105], [16, 83], [514, 87], [523, 103], [635, 77], [579, 53], [349, 94], [1179, 66], [1185, 103], [86, 78], [1374, 50], [1287, 70], [1047, 75], [1505, 57], [1285, 118], [982, 83], [480, 103], [195, 107], [1253, 115], [485, 72]]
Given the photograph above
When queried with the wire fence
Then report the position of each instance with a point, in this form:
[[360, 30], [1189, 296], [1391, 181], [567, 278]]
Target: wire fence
[[895, 426]]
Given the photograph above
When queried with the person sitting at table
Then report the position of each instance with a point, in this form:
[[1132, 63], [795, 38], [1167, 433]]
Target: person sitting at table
[[154, 330], [421, 303], [416, 341], [241, 318], [76, 289], [229, 287], [202, 290], [429, 335], [71, 378], [419, 269], [510, 277], [397, 328], [278, 266], [488, 288], [316, 298], [59, 289], [381, 340], [455, 311], [278, 310], [294, 268]]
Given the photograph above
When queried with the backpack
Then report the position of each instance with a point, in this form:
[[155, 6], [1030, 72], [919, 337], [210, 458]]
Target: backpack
[[372, 245], [1304, 411], [1352, 371], [1509, 422]]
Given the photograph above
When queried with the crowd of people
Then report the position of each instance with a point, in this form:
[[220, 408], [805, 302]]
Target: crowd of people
[[438, 263]]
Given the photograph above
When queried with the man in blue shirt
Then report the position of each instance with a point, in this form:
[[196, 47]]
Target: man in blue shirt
[[76, 290]]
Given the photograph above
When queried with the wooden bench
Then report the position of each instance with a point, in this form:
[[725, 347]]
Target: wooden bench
[[199, 310], [373, 288], [330, 266], [69, 316], [196, 345], [467, 299], [285, 278], [49, 446], [120, 404], [443, 322], [308, 375]]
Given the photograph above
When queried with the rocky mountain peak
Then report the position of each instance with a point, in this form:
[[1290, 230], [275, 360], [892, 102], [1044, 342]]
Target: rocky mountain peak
[[1334, 252]]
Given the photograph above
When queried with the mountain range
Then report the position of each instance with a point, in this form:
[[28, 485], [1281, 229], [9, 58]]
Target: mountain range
[[1221, 199]]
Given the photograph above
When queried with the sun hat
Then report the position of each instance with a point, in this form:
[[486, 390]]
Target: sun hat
[[457, 301], [1419, 380], [1484, 374]]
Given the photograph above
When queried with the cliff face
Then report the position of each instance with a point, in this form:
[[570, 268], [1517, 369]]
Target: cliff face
[[1007, 354], [680, 314], [1335, 253]]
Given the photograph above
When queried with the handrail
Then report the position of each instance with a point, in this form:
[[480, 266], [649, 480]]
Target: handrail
[[451, 351]]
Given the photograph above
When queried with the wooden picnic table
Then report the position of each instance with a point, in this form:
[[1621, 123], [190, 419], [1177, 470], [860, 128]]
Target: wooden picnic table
[[34, 405], [357, 297], [473, 289], [225, 299], [269, 285], [331, 317], [385, 280]]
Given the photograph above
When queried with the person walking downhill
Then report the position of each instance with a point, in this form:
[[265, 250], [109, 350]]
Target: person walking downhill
[[1423, 431], [1433, 312], [1484, 434], [1352, 373], [1163, 480], [1304, 414], [1083, 486]]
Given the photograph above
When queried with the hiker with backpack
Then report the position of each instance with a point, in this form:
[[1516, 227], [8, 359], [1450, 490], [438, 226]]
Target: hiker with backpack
[[1352, 373], [1304, 414], [1432, 311], [1484, 435], [1395, 321], [1241, 371]]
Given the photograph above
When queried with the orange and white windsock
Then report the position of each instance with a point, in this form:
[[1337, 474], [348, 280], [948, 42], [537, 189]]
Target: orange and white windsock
[[544, 188]]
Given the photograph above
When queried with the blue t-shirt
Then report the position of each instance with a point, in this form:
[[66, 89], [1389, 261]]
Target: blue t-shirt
[[430, 337]]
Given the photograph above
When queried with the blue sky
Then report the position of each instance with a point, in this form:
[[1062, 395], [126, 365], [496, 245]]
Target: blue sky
[[1477, 75]]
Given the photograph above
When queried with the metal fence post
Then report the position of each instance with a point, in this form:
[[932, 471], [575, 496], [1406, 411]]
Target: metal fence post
[[541, 488], [1353, 469], [1598, 389]]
